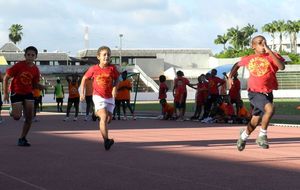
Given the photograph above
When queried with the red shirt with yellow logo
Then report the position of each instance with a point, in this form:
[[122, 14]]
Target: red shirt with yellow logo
[[262, 71], [24, 76], [103, 79]]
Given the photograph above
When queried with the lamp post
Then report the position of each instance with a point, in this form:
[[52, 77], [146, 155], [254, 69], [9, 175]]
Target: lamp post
[[120, 35]]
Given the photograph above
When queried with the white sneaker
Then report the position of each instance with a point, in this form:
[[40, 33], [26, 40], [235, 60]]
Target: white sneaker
[[66, 119], [75, 119], [86, 118]]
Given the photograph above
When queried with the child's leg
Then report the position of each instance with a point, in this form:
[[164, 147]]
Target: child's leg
[[70, 103], [269, 111], [28, 108], [123, 102], [76, 105], [17, 109], [102, 113]]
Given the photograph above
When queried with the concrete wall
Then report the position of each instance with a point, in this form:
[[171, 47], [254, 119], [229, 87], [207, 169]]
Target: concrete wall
[[185, 60], [152, 67]]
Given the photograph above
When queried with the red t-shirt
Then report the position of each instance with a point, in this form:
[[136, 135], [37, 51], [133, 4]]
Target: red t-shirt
[[180, 89], [234, 91], [24, 76], [103, 79], [168, 109], [202, 92], [163, 88], [213, 83], [262, 71]]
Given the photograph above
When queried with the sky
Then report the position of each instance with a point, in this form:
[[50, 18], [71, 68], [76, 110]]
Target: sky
[[60, 25]]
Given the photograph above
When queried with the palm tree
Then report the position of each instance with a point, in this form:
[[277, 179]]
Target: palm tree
[[247, 34], [280, 28], [235, 36], [15, 33], [271, 30], [222, 39], [292, 28]]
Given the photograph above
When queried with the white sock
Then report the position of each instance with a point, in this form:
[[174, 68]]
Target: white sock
[[244, 136], [262, 132]]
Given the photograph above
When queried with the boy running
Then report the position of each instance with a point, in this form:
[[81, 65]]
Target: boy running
[[25, 77], [262, 65]]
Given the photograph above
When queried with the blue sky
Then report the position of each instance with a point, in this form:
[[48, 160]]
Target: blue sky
[[59, 25]]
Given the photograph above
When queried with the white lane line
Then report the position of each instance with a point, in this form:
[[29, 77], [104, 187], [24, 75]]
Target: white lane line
[[21, 180]]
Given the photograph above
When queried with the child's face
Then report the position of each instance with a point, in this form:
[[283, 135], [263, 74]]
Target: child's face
[[258, 45], [104, 57], [30, 56]]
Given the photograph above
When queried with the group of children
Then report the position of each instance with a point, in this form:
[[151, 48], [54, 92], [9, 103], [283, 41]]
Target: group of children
[[216, 108], [262, 65]]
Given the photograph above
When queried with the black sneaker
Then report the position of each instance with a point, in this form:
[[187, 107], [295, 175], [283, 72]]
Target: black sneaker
[[23, 142], [108, 143]]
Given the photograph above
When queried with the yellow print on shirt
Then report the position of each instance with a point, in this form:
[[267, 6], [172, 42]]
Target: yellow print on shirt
[[104, 80], [26, 78], [258, 66]]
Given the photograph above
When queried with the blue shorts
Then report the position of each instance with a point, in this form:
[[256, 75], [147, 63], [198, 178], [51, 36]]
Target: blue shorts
[[258, 101]]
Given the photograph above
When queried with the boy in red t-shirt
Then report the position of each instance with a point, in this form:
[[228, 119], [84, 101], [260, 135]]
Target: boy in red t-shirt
[[201, 96], [180, 93], [235, 92], [262, 66], [25, 77], [105, 81], [214, 83], [163, 89]]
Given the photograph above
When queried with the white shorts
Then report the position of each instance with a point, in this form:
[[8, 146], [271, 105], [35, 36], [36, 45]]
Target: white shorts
[[104, 103]]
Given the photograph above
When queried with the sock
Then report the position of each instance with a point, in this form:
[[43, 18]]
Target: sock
[[262, 132], [244, 136]]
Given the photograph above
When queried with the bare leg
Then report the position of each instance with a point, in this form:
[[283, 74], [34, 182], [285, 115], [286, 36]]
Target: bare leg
[[269, 111], [17, 109], [104, 119], [29, 106]]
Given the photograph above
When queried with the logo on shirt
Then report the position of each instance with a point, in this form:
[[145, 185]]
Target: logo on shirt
[[26, 78], [103, 79], [258, 66]]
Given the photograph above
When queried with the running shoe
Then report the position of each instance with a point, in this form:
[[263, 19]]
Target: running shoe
[[241, 144], [262, 142], [108, 143]]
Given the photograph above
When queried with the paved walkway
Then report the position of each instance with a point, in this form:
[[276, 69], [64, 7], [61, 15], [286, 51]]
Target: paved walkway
[[148, 154]]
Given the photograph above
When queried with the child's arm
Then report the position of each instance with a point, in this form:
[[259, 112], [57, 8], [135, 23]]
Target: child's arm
[[279, 64], [233, 71]]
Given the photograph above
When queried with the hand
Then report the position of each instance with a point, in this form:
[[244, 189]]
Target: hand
[[267, 49], [82, 97], [5, 98]]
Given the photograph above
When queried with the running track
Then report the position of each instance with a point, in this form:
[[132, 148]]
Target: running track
[[148, 154]]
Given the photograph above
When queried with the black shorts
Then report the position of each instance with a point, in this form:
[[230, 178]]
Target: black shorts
[[59, 100], [180, 105], [258, 101], [20, 97]]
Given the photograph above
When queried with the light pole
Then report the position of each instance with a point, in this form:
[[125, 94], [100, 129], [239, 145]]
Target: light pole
[[120, 35]]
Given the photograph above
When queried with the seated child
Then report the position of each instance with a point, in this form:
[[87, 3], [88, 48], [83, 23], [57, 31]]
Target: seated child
[[226, 112], [243, 115], [167, 110]]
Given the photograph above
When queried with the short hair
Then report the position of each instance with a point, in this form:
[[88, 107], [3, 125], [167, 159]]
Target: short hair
[[162, 78], [103, 48], [31, 48], [255, 37], [179, 73]]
